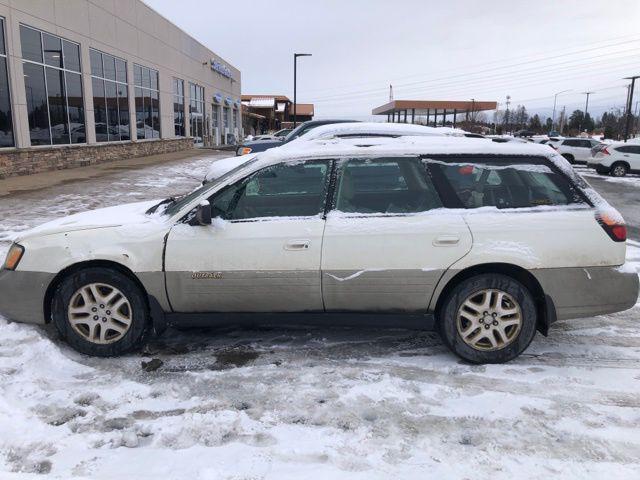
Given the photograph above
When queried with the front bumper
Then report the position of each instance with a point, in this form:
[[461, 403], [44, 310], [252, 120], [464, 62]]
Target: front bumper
[[589, 291], [22, 295]]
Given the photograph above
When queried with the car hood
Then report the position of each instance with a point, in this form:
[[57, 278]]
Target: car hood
[[128, 214], [262, 143]]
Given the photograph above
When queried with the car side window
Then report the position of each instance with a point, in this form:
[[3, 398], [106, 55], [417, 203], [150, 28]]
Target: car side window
[[385, 185], [284, 190], [504, 185]]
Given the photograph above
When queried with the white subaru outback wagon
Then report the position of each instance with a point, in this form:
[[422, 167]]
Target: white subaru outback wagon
[[486, 242]]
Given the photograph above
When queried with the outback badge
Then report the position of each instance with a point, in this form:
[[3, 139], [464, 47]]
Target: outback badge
[[206, 275]]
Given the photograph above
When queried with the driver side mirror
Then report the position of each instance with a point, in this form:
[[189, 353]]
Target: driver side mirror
[[202, 216]]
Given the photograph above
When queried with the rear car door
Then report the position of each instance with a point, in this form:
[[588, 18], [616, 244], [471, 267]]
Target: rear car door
[[262, 252], [630, 154], [387, 239]]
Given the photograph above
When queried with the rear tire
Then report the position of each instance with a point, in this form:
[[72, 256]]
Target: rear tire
[[488, 318], [619, 169], [570, 158], [100, 312]]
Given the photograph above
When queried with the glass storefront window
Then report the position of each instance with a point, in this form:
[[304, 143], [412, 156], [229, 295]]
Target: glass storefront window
[[55, 103], [147, 102], [110, 97], [6, 121], [196, 111], [178, 107]]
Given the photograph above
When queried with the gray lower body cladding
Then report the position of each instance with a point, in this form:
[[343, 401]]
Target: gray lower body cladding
[[576, 292], [22, 295], [588, 291]]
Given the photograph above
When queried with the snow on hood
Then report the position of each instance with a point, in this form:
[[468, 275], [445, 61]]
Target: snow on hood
[[224, 165], [127, 214]]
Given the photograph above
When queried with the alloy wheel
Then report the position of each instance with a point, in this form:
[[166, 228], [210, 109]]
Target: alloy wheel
[[619, 171], [100, 313], [489, 319]]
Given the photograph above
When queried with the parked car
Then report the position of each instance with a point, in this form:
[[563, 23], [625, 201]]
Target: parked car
[[616, 159], [282, 133], [329, 131], [263, 145], [524, 133], [575, 150], [441, 231]]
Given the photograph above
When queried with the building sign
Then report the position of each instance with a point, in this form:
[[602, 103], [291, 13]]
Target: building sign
[[217, 98], [221, 68]]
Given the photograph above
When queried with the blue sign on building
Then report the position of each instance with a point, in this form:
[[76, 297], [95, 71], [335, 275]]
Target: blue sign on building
[[221, 68]]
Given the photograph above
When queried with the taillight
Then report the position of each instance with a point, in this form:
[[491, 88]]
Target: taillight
[[605, 151], [616, 229]]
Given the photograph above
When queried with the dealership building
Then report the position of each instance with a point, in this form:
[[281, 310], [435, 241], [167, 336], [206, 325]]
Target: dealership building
[[87, 81]]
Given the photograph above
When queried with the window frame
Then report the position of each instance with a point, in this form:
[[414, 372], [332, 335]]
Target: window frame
[[4, 55], [328, 191], [146, 93], [64, 71], [451, 200], [104, 81], [331, 205]]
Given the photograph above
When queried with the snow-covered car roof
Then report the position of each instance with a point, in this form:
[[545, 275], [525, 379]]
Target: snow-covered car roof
[[368, 129], [405, 145]]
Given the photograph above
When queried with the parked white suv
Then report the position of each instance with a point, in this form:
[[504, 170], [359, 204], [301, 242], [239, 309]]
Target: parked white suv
[[487, 242], [575, 150], [617, 159]]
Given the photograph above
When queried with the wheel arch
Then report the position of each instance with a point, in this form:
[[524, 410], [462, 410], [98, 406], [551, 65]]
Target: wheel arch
[[623, 162], [53, 286], [544, 303]]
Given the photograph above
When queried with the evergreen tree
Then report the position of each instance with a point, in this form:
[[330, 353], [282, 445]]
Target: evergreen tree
[[535, 124]]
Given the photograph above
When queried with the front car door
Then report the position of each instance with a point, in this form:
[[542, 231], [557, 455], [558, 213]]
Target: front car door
[[262, 252], [387, 240]]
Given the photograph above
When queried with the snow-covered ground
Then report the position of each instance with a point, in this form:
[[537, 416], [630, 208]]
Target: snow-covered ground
[[308, 403]]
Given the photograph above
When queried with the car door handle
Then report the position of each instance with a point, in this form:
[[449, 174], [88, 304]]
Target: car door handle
[[297, 245], [446, 241]]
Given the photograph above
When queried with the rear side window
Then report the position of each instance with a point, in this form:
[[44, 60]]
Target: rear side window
[[385, 185], [629, 149], [504, 184]]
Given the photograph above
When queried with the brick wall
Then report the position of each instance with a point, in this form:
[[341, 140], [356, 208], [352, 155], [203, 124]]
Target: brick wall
[[25, 161]]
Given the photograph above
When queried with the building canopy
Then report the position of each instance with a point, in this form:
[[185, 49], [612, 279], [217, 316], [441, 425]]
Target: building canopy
[[426, 107]]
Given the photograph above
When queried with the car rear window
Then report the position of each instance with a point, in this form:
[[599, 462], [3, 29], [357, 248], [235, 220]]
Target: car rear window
[[501, 184]]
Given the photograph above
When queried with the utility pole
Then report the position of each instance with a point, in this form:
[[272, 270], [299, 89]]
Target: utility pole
[[295, 81], [506, 114], [629, 105], [586, 109]]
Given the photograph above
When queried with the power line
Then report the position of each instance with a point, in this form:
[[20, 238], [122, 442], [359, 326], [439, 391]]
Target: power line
[[490, 78], [533, 58], [492, 70]]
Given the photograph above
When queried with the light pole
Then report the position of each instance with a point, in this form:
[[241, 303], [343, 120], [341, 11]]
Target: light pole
[[555, 100], [586, 109], [295, 80]]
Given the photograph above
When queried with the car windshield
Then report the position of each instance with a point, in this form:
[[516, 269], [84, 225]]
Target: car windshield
[[295, 133], [177, 205]]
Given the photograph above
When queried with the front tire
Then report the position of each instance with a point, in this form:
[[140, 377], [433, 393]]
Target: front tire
[[570, 158], [488, 318], [100, 312]]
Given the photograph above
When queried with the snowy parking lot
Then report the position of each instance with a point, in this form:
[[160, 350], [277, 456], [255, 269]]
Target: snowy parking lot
[[312, 403]]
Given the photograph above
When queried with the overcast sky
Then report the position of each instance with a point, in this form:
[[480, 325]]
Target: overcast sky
[[432, 50]]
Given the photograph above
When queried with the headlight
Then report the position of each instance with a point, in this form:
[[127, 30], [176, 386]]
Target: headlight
[[13, 257], [244, 151]]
